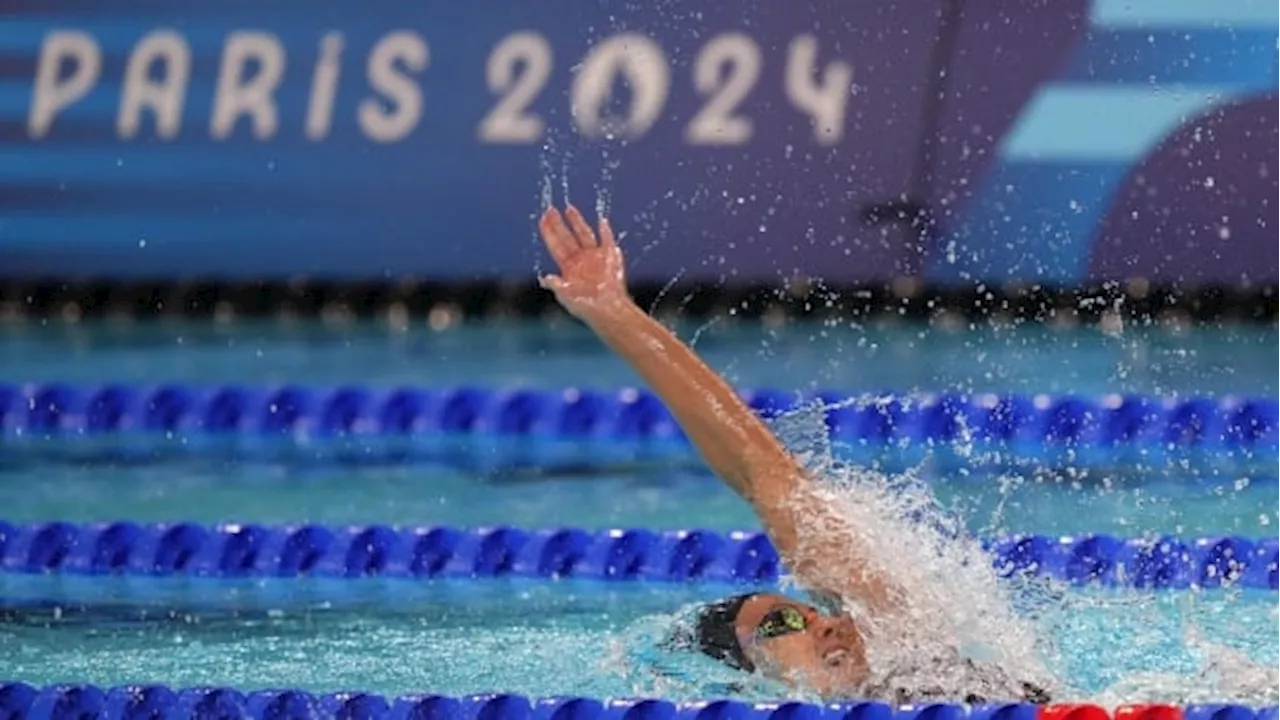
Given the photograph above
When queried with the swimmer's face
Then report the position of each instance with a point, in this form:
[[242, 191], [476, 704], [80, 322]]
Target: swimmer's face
[[795, 642]]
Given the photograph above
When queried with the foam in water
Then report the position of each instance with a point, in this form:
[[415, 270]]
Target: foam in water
[[959, 629], [954, 630]]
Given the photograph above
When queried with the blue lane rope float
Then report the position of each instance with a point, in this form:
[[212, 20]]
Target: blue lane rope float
[[1111, 423], [19, 701], [239, 551]]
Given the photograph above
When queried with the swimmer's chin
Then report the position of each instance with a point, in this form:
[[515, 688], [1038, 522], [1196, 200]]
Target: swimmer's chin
[[819, 686], [821, 692]]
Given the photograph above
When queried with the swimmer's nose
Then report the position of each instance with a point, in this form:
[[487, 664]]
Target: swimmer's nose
[[827, 629], [840, 629]]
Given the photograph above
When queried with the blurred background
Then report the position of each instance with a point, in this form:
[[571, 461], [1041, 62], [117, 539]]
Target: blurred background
[[215, 216], [1060, 143], [1062, 198]]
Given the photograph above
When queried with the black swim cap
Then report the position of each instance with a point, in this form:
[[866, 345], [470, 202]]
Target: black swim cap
[[716, 635]]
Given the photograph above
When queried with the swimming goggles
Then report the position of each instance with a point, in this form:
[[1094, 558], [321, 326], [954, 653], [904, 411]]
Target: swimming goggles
[[781, 621]]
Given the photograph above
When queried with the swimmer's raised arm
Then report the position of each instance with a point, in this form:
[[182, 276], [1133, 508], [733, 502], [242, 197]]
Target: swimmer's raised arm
[[732, 440]]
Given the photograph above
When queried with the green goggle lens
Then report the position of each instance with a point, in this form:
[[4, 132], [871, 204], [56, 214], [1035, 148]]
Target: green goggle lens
[[780, 622]]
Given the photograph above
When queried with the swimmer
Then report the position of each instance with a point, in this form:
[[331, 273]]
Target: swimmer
[[803, 644]]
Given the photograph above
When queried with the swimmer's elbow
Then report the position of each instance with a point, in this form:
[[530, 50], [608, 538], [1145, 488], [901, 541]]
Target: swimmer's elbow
[[771, 476]]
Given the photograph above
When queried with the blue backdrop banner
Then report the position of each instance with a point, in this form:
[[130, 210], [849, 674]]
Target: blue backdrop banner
[[1061, 141]]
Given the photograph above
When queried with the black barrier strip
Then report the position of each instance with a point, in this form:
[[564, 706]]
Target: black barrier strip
[[904, 298]]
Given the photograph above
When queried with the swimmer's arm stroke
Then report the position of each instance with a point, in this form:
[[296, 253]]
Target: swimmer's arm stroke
[[732, 440]]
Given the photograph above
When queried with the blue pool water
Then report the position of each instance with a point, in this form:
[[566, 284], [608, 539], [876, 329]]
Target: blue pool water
[[541, 639], [1170, 498], [209, 490], [893, 357], [574, 638]]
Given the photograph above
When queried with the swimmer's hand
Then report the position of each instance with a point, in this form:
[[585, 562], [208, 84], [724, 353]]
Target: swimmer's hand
[[735, 443], [591, 279]]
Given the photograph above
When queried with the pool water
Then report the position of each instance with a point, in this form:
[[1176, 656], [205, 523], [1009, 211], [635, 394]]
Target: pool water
[[210, 491], [895, 357], [540, 639], [575, 637]]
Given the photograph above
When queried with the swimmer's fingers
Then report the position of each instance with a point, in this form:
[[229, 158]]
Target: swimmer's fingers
[[558, 237], [551, 282], [586, 237], [606, 233]]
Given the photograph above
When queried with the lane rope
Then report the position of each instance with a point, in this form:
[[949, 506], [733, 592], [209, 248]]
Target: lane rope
[[250, 550], [1113, 424], [19, 701]]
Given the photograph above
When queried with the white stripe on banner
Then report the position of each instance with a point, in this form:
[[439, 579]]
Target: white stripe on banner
[[1088, 122], [1185, 13]]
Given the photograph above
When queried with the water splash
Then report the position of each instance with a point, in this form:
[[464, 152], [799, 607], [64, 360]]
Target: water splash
[[662, 293], [546, 193], [609, 167], [959, 628], [954, 630]]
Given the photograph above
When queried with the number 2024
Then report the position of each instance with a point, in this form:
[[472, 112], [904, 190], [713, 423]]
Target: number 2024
[[724, 72]]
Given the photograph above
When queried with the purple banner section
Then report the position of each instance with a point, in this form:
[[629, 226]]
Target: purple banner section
[[977, 140], [1202, 206]]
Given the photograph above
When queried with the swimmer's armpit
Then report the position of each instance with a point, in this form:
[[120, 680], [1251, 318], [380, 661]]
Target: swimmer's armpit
[[733, 441]]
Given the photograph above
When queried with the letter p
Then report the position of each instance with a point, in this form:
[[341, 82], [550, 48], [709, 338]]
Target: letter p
[[53, 93]]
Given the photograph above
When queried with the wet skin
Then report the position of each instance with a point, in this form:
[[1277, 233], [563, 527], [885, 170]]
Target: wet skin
[[797, 643]]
